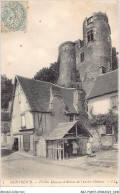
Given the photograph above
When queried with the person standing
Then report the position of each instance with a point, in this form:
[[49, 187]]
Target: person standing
[[89, 149], [75, 147]]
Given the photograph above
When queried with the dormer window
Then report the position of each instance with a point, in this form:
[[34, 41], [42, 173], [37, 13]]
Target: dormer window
[[114, 102], [90, 20], [90, 36]]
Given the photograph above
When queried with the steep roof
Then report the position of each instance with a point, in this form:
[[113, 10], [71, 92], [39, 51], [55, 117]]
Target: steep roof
[[38, 94], [104, 84]]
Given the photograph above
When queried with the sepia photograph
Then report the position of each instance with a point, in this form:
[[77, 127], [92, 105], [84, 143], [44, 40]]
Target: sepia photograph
[[59, 93]]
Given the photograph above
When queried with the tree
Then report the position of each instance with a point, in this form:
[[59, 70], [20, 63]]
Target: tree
[[6, 91], [48, 74]]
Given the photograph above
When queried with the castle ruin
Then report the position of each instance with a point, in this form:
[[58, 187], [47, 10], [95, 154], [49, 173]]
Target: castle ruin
[[80, 62]]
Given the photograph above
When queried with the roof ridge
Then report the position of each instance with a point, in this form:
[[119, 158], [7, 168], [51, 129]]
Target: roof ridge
[[33, 79], [64, 87], [45, 82], [38, 94]]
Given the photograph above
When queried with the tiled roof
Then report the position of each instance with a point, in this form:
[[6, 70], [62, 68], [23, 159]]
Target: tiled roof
[[104, 84], [60, 131], [67, 95], [38, 94]]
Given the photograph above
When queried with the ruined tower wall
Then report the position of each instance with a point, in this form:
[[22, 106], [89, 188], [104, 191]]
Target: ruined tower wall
[[67, 64]]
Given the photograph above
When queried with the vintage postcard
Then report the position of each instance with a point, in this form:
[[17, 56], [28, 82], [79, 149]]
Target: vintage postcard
[[59, 93]]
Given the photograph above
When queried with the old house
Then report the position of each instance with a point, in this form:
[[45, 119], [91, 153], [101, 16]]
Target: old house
[[38, 107], [102, 99]]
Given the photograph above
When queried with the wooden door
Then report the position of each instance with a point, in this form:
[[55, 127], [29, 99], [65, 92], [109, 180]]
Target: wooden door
[[82, 142], [26, 142]]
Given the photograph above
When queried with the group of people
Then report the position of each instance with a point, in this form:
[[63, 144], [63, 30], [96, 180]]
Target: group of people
[[71, 148]]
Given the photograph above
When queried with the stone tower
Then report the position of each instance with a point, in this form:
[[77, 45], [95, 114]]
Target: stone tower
[[68, 76], [94, 53], [83, 60]]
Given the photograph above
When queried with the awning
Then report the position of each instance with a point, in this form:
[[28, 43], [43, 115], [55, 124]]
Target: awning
[[60, 131]]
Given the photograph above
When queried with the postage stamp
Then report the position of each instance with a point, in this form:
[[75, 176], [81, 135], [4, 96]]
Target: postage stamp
[[13, 16]]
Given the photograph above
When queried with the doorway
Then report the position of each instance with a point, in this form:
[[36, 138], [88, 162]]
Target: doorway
[[71, 148], [15, 145]]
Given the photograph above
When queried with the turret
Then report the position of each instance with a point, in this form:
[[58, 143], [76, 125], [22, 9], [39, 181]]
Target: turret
[[68, 76]]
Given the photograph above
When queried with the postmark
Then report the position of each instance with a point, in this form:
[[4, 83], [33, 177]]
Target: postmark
[[13, 16]]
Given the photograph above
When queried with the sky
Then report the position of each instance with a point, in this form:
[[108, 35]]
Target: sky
[[49, 23]]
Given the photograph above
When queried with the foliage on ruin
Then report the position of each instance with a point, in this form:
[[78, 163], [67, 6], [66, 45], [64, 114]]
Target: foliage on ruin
[[110, 119]]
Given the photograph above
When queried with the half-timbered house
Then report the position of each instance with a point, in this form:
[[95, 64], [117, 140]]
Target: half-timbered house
[[38, 107]]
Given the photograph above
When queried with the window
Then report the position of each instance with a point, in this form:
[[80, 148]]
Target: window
[[114, 102], [82, 57], [90, 36], [89, 20], [71, 118], [109, 130], [23, 123], [81, 44], [65, 47]]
